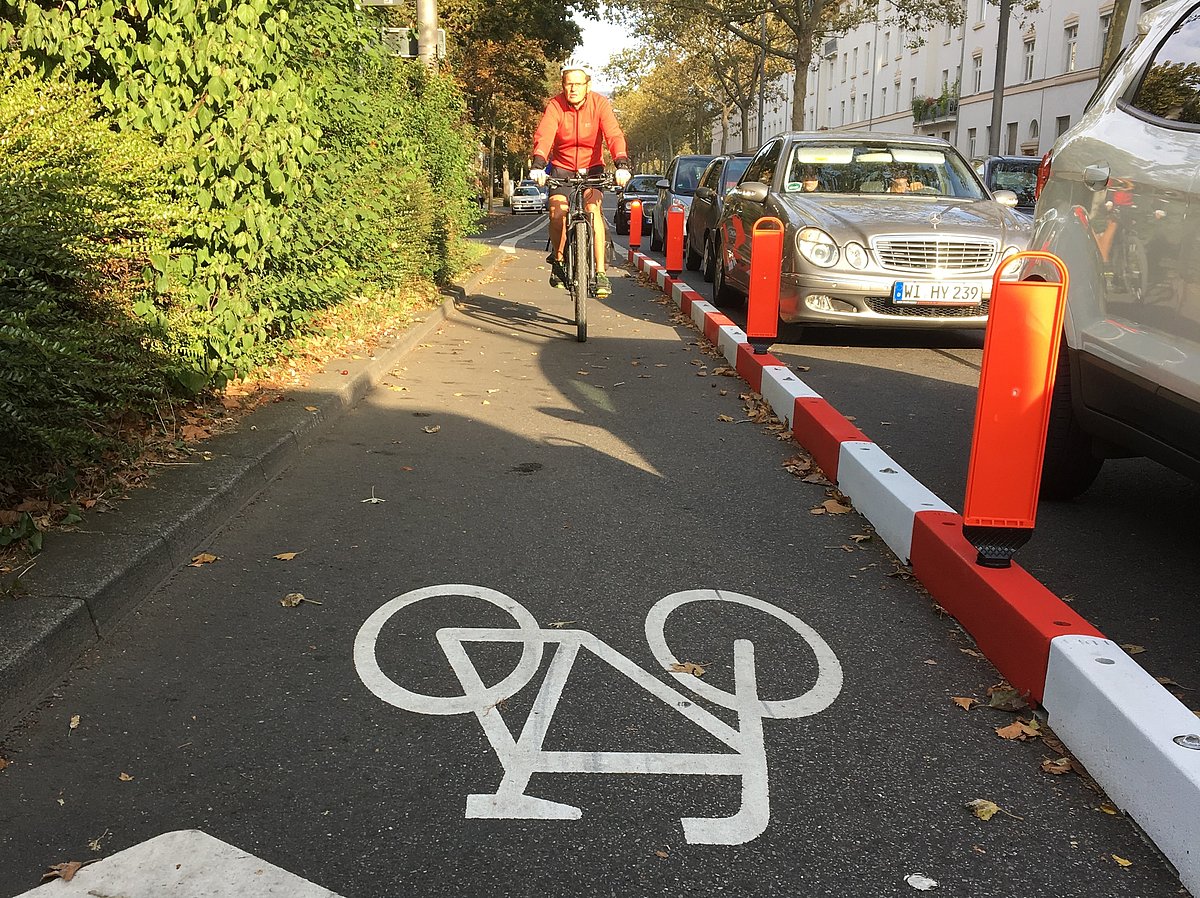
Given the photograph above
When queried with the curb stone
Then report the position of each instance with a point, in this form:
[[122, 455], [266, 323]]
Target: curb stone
[[1136, 740], [87, 581]]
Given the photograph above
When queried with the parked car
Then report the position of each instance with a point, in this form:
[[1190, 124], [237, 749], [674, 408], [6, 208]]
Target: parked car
[[640, 187], [717, 180], [527, 199], [1015, 173], [857, 251], [1118, 204], [679, 185]]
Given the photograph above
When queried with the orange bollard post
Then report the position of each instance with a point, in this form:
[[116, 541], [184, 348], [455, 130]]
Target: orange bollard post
[[635, 224], [1020, 353], [674, 263], [766, 266]]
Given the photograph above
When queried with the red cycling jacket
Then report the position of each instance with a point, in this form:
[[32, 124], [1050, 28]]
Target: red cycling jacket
[[570, 138]]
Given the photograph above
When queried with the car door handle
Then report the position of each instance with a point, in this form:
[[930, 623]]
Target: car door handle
[[1096, 176]]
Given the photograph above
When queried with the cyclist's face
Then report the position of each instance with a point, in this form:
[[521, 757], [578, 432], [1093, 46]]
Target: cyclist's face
[[575, 86]]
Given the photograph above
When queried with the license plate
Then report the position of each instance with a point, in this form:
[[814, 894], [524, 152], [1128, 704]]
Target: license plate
[[942, 293]]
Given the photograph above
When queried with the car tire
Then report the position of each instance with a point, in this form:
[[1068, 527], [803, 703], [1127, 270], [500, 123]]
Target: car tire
[[621, 223], [656, 242], [724, 296], [691, 258], [708, 264], [1070, 464]]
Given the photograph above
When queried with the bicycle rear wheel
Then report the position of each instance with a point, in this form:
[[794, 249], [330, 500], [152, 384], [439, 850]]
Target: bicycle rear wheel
[[585, 264]]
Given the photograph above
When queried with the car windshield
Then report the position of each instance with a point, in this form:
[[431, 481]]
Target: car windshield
[[687, 174], [1018, 176], [527, 191], [830, 167], [734, 170], [642, 184]]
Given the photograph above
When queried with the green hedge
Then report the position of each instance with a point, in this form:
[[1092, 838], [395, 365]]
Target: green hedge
[[213, 174]]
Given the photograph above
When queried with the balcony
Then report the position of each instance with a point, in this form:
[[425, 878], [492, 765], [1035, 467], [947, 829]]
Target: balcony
[[930, 110]]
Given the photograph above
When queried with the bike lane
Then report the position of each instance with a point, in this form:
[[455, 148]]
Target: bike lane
[[573, 487]]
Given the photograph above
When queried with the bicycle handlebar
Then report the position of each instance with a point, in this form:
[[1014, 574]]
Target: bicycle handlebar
[[597, 181]]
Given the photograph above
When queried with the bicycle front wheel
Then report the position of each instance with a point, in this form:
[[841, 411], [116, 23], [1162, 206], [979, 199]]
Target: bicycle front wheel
[[585, 265]]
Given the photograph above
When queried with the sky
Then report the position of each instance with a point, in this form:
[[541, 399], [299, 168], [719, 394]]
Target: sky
[[600, 41]]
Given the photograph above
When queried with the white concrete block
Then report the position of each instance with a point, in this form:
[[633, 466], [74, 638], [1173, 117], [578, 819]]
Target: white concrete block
[[1122, 725], [729, 336], [780, 388], [883, 492]]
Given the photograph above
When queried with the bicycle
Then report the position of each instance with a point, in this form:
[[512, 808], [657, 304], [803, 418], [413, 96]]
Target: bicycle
[[580, 248]]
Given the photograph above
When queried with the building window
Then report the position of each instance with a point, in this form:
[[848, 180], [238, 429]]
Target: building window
[[865, 107], [946, 37], [980, 10], [1030, 45], [957, 77], [845, 57], [1061, 124], [887, 40], [977, 74], [912, 90], [843, 113], [883, 100], [1034, 130], [1011, 139], [945, 80], [971, 149], [853, 108], [855, 67], [1105, 24], [867, 59], [1070, 48]]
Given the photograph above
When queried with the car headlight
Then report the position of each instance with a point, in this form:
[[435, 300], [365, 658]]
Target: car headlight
[[856, 255], [817, 247], [1012, 270]]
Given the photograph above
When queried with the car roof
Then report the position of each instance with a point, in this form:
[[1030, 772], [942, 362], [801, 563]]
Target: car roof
[[864, 137]]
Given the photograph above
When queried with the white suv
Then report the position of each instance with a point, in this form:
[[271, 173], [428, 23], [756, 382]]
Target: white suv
[[1120, 205]]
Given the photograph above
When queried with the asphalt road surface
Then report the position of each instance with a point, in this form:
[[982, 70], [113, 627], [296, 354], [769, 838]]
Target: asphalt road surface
[[565, 521]]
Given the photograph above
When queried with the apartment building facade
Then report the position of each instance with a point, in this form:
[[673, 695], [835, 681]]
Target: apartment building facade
[[874, 79]]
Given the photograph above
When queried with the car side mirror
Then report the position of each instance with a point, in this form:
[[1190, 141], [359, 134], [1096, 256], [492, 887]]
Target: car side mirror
[[753, 191], [1005, 198], [662, 184], [705, 193]]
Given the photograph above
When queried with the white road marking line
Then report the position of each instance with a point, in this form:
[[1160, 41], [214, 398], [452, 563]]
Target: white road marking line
[[509, 239], [524, 755]]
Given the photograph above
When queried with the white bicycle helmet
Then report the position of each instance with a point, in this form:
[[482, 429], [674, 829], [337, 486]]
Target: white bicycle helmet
[[572, 65]]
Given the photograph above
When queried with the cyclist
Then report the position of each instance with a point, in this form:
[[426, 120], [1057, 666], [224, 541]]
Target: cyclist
[[569, 137]]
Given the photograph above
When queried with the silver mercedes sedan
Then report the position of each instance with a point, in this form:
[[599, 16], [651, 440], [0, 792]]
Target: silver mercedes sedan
[[880, 230]]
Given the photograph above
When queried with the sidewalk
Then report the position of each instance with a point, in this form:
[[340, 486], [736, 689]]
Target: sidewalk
[[88, 580]]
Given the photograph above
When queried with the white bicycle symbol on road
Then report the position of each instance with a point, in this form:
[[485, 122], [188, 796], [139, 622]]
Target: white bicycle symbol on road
[[522, 756]]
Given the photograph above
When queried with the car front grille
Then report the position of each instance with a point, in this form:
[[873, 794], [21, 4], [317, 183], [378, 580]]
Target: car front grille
[[941, 253], [883, 305]]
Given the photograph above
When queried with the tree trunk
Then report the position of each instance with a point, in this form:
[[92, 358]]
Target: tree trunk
[[725, 110], [491, 173], [744, 108], [802, 60]]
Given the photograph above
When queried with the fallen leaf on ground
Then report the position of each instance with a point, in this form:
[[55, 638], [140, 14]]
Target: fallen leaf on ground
[[662, 854], [559, 624], [1109, 809], [688, 667], [310, 408], [66, 872], [1056, 767], [287, 556], [1131, 649], [1167, 681], [74, 721], [1122, 861], [1019, 730], [963, 702], [833, 506], [972, 653], [4, 762], [725, 418], [983, 809], [861, 537], [202, 558], [191, 433], [1005, 698], [125, 777], [921, 882], [432, 428], [292, 599]]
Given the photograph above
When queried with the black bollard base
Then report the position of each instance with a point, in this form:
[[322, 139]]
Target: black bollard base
[[996, 546], [760, 347]]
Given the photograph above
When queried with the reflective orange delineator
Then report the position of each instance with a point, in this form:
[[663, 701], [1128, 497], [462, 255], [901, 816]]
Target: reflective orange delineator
[[766, 266], [674, 263], [1020, 353], [635, 223]]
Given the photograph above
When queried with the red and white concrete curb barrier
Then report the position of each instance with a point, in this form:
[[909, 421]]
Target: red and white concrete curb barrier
[[1136, 739]]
